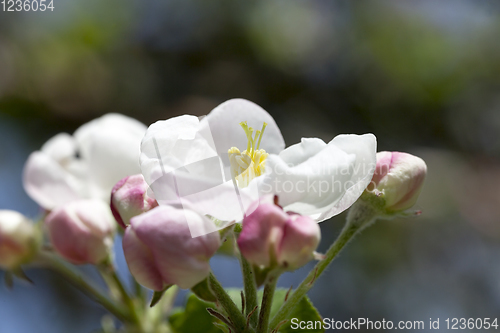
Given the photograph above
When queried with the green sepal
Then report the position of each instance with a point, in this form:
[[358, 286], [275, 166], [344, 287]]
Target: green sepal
[[202, 290], [157, 295], [261, 275], [19, 273]]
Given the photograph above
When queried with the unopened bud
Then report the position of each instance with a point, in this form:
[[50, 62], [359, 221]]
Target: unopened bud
[[18, 239], [130, 198], [160, 251], [272, 237], [398, 179], [82, 231]]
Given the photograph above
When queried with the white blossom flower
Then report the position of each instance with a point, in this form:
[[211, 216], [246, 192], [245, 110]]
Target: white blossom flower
[[85, 165], [226, 160]]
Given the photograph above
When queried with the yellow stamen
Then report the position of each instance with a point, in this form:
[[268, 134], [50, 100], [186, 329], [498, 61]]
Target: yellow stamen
[[261, 134], [250, 163]]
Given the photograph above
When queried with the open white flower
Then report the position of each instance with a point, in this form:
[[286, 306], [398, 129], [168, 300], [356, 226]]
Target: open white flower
[[85, 165], [226, 160]]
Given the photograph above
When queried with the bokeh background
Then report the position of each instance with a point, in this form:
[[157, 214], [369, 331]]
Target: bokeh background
[[423, 76]]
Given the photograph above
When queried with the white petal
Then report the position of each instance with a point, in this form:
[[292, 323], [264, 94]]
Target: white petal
[[296, 154], [111, 121], [171, 144], [47, 182], [61, 147], [110, 146], [325, 181], [224, 122]]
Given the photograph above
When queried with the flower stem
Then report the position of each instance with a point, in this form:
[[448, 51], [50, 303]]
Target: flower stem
[[250, 288], [227, 303], [267, 301], [126, 298], [138, 291], [154, 321], [82, 283], [359, 217]]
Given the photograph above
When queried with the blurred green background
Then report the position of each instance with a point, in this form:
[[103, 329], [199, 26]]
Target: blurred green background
[[423, 76]]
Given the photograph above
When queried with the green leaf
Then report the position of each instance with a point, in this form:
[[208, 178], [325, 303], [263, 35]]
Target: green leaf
[[202, 290], [304, 311], [194, 318]]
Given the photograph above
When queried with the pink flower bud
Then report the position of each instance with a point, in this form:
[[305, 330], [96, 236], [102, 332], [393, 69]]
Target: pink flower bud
[[18, 239], [270, 236], [130, 198], [160, 251], [82, 231], [399, 178]]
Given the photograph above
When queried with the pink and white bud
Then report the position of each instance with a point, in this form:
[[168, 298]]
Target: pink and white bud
[[272, 237], [130, 198], [160, 251], [82, 231], [18, 239], [399, 178]]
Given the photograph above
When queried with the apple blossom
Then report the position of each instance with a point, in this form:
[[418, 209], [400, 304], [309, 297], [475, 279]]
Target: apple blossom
[[85, 165], [130, 198], [18, 239], [160, 251], [200, 161], [82, 231], [272, 237], [398, 179]]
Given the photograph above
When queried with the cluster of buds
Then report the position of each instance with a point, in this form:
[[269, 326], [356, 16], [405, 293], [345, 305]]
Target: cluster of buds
[[272, 238], [160, 250]]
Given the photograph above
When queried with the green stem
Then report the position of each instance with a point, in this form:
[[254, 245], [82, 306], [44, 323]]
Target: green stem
[[227, 303], [155, 320], [267, 301], [126, 298], [359, 217], [250, 288], [138, 291], [83, 283]]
